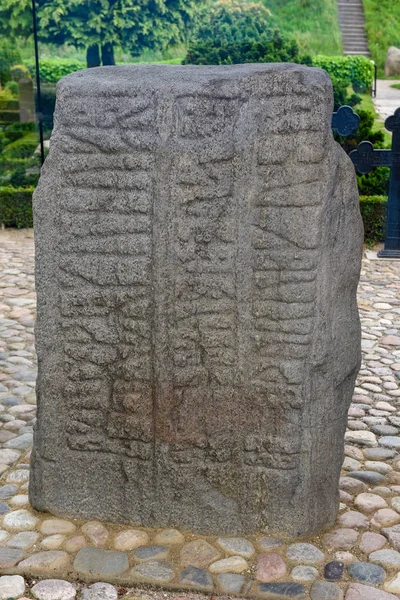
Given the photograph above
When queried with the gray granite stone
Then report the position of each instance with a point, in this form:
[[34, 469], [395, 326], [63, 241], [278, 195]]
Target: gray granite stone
[[99, 591], [282, 590], [370, 477], [193, 576], [96, 562], [9, 557], [157, 571], [230, 583], [323, 590], [366, 573], [273, 229], [151, 553]]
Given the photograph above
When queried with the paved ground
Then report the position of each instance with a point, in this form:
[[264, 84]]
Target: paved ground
[[358, 559], [387, 98]]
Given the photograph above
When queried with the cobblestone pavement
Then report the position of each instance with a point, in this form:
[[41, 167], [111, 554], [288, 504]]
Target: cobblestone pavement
[[49, 558]]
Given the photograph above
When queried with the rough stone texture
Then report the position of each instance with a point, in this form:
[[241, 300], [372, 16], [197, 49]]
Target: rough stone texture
[[198, 242], [392, 64], [11, 586]]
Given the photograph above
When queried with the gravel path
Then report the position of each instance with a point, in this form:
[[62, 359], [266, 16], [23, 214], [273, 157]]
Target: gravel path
[[49, 558], [387, 98]]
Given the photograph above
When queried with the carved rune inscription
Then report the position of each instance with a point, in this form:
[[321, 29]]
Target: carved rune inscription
[[195, 212]]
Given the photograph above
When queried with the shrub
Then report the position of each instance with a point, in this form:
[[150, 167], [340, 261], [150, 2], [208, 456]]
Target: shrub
[[21, 148], [53, 69], [357, 71], [16, 206], [18, 72], [15, 131], [270, 47], [373, 211], [230, 21], [12, 86], [239, 31]]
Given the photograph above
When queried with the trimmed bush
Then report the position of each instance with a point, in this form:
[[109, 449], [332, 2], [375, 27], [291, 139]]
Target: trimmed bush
[[373, 212], [232, 21], [53, 69], [18, 72], [16, 207], [22, 148], [15, 131], [357, 71]]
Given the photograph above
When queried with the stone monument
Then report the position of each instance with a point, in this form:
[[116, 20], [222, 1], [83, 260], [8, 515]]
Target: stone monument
[[198, 245]]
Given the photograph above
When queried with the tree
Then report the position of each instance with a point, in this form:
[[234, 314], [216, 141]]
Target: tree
[[100, 26]]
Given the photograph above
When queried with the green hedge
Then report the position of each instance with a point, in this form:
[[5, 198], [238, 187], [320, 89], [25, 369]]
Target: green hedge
[[16, 207], [357, 71], [52, 69], [373, 212], [21, 148]]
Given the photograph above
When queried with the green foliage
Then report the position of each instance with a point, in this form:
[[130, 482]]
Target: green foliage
[[9, 56], [21, 148], [18, 72], [53, 69], [357, 71], [231, 21], [383, 28], [270, 47], [237, 31], [12, 86], [16, 206], [375, 183], [313, 23], [396, 86], [17, 130], [129, 24], [373, 211]]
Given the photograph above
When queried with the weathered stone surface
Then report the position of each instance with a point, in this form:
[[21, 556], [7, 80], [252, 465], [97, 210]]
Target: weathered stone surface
[[198, 553], [99, 591], [367, 573], [100, 563], [230, 583], [392, 64], [323, 590], [236, 546], [9, 557], [233, 564], [199, 239], [153, 571], [372, 541], [45, 563], [198, 578], [11, 586], [356, 591], [54, 589], [270, 567], [305, 553], [282, 591], [131, 539]]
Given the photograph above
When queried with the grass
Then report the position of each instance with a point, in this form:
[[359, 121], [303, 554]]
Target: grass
[[313, 23], [396, 86], [368, 104], [383, 28]]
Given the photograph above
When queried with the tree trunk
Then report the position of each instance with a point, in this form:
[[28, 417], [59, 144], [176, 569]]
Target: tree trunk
[[107, 54], [93, 56]]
